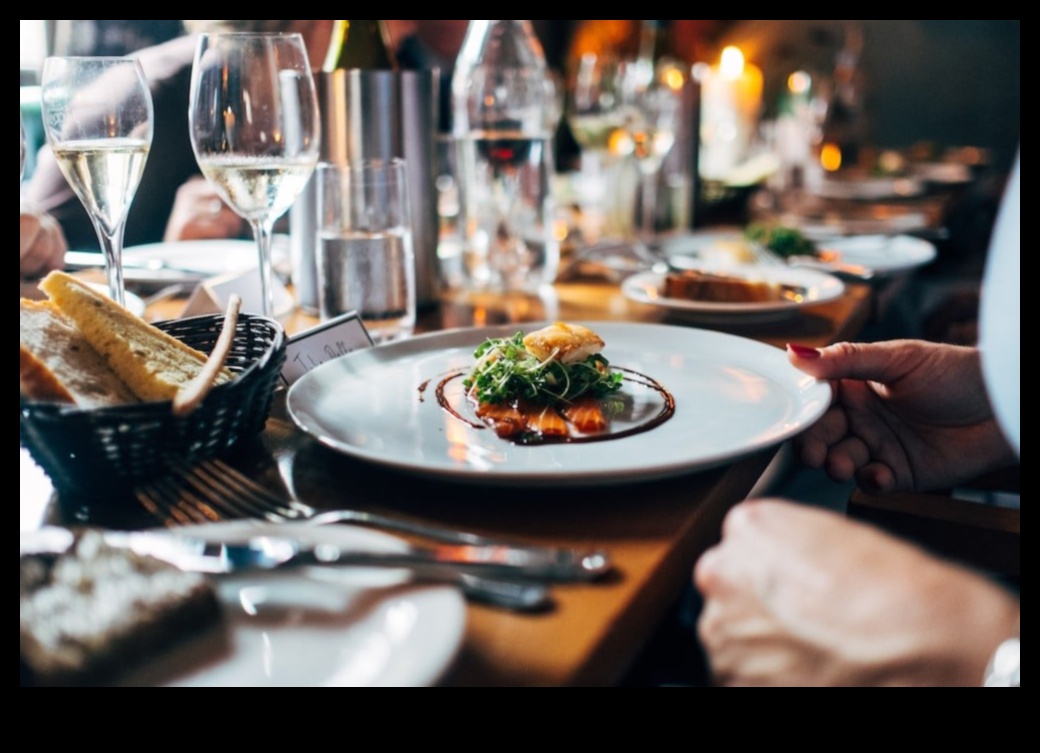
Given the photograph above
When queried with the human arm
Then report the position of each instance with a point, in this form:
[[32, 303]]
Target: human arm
[[199, 212], [798, 596], [41, 242], [906, 414]]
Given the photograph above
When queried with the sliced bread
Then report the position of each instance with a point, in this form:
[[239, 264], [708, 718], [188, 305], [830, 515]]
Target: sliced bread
[[153, 364], [59, 364]]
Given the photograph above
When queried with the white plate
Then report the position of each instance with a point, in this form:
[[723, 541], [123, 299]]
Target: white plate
[[312, 627], [884, 254], [867, 188], [819, 287], [733, 396], [208, 257]]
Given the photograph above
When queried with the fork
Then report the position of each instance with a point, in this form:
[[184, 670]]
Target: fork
[[213, 490], [206, 493]]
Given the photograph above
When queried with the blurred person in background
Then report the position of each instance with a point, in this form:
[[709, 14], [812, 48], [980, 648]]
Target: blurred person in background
[[795, 595], [41, 243], [174, 201]]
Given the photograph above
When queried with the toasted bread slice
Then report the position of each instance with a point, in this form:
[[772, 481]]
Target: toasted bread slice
[[152, 363], [58, 364]]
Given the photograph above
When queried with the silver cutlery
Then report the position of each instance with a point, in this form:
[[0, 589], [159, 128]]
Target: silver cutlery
[[271, 552], [213, 490], [267, 553]]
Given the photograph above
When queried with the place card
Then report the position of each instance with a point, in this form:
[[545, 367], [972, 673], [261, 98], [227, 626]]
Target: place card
[[211, 296], [312, 347]]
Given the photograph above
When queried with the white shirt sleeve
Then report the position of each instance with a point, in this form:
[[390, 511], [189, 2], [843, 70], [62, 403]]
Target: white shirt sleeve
[[1000, 315]]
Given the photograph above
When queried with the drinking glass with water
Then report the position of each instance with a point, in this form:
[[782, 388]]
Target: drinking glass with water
[[365, 256]]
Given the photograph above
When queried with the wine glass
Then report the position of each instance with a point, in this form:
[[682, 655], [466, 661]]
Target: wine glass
[[651, 104], [97, 114], [254, 125], [595, 115]]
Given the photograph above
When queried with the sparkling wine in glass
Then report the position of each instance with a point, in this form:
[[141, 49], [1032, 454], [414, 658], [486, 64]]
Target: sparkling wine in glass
[[255, 127], [97, 115]]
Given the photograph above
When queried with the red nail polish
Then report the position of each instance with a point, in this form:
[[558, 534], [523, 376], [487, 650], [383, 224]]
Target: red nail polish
[[803, 351]]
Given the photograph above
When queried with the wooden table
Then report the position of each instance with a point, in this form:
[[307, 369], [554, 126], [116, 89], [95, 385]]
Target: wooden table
[[654, 531]]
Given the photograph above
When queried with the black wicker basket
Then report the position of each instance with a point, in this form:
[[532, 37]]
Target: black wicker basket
[[107, 450]]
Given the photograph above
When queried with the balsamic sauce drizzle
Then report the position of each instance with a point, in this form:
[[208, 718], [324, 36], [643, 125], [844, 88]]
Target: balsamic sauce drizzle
[[529, 438]]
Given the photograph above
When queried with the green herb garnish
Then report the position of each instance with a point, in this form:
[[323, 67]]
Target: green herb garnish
[[505, 371], [782, 241]]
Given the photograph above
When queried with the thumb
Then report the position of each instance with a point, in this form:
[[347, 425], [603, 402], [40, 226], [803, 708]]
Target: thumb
[[879, 362]]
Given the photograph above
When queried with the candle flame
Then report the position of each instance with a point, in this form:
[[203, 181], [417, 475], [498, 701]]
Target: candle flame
[[830, 157], [731, 64]]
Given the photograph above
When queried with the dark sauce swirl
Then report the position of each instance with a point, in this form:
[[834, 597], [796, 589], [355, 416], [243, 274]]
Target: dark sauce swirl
[[533, 438]]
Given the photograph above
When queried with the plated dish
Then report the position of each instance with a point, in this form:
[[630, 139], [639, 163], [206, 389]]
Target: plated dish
[[870, 187], [346, 627], [806, 288], [883, 254], [732, 396]]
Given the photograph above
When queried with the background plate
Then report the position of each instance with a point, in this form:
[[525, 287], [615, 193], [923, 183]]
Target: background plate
[[733, 396], [884, 254], [648, 288]]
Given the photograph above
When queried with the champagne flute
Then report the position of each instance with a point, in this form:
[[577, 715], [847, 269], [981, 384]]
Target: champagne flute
[[651, 98], [97, 114], [254, 127]]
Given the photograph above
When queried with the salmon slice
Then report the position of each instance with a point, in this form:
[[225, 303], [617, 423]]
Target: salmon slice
[[505, 419], [586, 414], [543, 420]]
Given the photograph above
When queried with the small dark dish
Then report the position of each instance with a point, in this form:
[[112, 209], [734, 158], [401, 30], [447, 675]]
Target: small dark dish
[[108, 450]]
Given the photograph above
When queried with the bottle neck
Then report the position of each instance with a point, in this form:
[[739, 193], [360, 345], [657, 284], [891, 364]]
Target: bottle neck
[[360, 44]]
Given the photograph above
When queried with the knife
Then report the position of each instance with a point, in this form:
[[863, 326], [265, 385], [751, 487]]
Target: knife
[[278, 552], [133, 268]]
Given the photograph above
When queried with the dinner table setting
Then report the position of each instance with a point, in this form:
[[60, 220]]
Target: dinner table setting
[[357, 517]]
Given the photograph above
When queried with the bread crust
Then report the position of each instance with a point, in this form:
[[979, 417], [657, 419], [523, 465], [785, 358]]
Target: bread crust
[[152, 363], [58, 364]]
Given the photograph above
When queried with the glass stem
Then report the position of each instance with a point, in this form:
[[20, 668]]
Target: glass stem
[[649, 202], [262, 232], [112, 247]]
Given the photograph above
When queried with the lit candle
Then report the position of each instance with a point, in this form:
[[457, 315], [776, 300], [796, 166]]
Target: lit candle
[[731, 100]]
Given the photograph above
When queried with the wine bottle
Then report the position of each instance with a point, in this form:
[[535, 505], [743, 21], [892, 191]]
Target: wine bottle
[[503, 116], [360, 44]]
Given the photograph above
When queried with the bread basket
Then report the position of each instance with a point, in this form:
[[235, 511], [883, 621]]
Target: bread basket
[[108, 450]]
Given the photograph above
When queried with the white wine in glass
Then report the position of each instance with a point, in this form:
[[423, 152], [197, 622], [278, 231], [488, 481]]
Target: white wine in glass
[[255, 128], [97, 114], [651, 98]]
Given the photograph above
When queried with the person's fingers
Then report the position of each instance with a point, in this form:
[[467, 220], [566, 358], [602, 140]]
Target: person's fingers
[[28, 230], [55, 245], [812, 444], [846, 457], [706, 572], [876, 478], [881, 362]]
